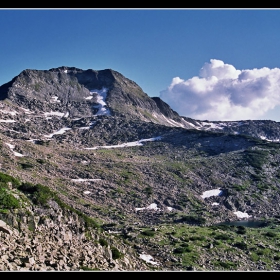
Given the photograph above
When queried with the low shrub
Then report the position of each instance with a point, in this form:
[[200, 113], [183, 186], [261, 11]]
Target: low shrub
[[181, 250], [116, 254], [26, 165], [241, 230], [240, 245], [222, 237], [40, 194], [148, 232], [270, 234], [103, 242], [193, 219]]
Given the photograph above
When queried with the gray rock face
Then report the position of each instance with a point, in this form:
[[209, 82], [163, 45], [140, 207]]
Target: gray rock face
[[68, 89], [58, 242]]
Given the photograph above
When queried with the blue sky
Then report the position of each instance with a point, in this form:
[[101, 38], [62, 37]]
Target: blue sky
[[215, 64]]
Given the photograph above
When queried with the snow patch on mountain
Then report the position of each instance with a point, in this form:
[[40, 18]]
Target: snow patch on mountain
[[60, 131], [11, 146], [101, 97], [128, 144], [214, 192]]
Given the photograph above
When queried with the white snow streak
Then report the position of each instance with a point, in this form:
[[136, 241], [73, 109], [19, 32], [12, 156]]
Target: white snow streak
[[11, 146], [60, 131], [55, 99], [214, 192], [152, 206], [13, 113], [54, 114], [85, 180], [128, 144], [8, 121], [87, 192], [148, 258]]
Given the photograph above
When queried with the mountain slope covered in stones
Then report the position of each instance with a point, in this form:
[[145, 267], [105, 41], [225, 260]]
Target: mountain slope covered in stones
[[96, 175]]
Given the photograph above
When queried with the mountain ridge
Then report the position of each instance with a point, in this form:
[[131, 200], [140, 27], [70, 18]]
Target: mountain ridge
[[125, 98]]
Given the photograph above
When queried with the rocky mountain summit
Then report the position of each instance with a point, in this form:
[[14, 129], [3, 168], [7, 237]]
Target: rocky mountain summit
[[97, 175]]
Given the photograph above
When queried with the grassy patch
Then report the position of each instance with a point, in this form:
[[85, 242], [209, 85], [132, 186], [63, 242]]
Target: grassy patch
[[7, 200], [5, 178]]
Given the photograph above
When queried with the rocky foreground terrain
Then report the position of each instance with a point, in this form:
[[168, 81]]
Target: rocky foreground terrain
[[97, 176]]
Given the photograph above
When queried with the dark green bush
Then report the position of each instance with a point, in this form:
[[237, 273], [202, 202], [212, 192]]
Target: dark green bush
[[241, 230], [197, 237], [148, 190], [241, 245], [103, 242], [27, 187], [181, 250], [40, 194], [222, 237], [42, 142], [26, 165], [116, 254], [193, 219], [148, 232], [270, 234], [260, 252]]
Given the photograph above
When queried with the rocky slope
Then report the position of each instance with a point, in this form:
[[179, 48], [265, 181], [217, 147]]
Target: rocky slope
[[112, 155], [37, 238]]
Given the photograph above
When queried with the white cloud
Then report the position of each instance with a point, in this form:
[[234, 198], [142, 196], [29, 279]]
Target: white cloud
[[221, 92]]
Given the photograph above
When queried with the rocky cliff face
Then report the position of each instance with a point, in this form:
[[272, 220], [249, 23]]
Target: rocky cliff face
[[112, 154], [48, 238]]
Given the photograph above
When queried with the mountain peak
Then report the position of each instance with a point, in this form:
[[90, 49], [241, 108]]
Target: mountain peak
[[64, 68], [72, 86]]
